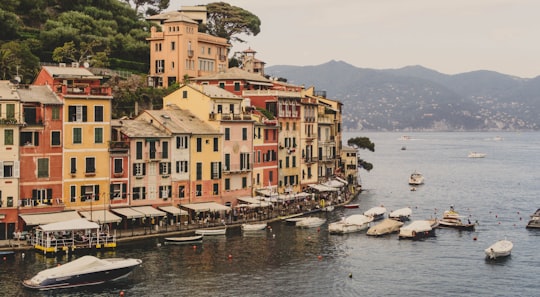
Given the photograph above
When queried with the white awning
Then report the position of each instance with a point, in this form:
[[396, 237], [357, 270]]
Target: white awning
[[334, 183], [149, 211], [253, 202], [47, 218], [342, 180], [323, 188], [260, 83], [101, 216], [206, 206], [173, 210], [77, 224], [128, 212]]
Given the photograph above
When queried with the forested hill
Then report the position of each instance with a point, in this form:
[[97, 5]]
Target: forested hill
[[419, 99], [107, 33]]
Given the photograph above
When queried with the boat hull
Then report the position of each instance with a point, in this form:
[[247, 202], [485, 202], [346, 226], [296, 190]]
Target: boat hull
[[500, 249], [253, 227], [211, 232], [183, 240]]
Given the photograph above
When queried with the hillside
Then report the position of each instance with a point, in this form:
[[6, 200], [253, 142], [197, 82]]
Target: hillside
[[415, 98]]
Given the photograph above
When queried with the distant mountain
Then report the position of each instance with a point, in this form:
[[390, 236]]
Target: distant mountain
[[415, 98]]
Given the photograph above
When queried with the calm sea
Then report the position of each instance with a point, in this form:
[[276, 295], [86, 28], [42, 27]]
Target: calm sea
[[499, 191]]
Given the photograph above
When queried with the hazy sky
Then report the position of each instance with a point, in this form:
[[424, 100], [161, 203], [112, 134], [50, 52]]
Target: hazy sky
[[449, 36]]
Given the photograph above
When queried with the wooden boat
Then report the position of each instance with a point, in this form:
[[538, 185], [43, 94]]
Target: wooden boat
[[84, 271], [350, 224], [254, 227], [183, 239], [534, 222], [501, 248], [387, 226], [416, 178], [211, 232], [402, 214], [417, 230], [377, 213], [310, 222], [351, 205]]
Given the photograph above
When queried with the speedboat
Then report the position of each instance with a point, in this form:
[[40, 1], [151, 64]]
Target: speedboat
[[501, 248], [534, 222], [418, 230], [208, 232], [352, 223], [387, 226], [183, 239], [376, 213], [416, 179], [476, 155], [310, 222], [253, 227], [84, 271], [451, 219], [402, 214]]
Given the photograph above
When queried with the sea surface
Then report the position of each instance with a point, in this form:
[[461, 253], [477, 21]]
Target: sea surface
[[499, 191]]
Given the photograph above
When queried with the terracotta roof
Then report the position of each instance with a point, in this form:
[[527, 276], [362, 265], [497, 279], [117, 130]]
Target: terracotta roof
[[68, 71]]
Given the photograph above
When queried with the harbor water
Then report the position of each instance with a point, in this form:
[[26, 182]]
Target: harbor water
[[499, 191]]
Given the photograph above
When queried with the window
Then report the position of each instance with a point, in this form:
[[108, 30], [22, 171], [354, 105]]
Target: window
[[198, 190], [10, 111], [244, 133], [227, 133], [139, 193], [90, 165], [29, 138], [89, 193], [227, 184], [164, 168], [138, 150], [164, 191], [139, 169], [77, 113], [199, 171], [98, 135], [237, 86], [73, 165], [160, 64], [199, 144], [153, 150], [8, 137], [173, 45], [227, 162], [165, 150], [55, 138], [118, 162], [270, 176], [216, 189], [216, 144], [181, 191], [222, 85], [215, 170], [184, 94], [55, 113], [181, 166], [77, 135], [181, 142], [244, 182], [43, 167], [244, 161], [118, 191], [98, 113]]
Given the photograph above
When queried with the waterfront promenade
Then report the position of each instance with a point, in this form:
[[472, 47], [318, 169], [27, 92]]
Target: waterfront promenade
[[299, 208]]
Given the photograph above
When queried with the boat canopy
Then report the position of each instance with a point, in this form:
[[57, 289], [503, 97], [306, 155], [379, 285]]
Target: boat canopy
[[48, 218], [77, 224]]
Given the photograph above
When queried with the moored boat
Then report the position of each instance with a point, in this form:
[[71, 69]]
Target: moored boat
[[351, 205], [377, 213], [210, 232], [417, 230], [476, 155], [451, 219], [402, 214], [501, 248], [350, 224], [416, 178], [254, 227], [534, 222], [183, 239], [84, 271], [310, 222], [386, 226]]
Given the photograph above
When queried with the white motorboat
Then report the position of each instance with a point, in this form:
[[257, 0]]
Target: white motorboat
[[376, 213], [386, 226], [476, 155], [416, 179], [418, 230], [310, 222], [183, 239], [534, 222], [84, 271], [254, 227], [352, 223], [209, 232], [402, 214], [501, 248], [451, 219]]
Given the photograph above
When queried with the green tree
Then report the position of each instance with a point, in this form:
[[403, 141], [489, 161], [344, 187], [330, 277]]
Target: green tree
[[152, 6], [17, 59], [10, 24], [362, 143], [69, 52], [227, 21]]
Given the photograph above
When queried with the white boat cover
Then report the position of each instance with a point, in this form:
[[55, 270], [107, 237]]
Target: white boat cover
[[173, 210], [48, 218], [402, 212], [374, 211], [357, 219], [384, 227], [77, 224], [206, 206], [415, 226], [101, 216]]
